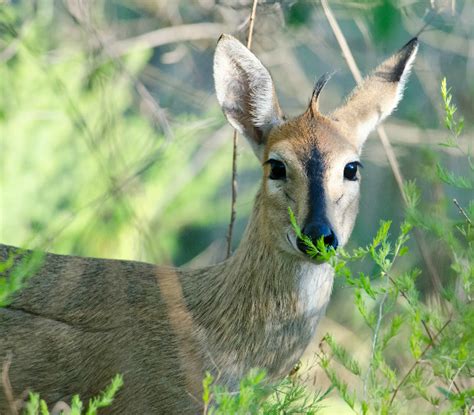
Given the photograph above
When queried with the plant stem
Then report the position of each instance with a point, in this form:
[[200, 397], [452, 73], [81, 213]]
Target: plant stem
[[233, 211], [7, 387], [374, 343], [428, 346], [463, 212], [423, 322]]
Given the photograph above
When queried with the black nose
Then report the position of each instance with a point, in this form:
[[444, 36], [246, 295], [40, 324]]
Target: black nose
[[315, 232]]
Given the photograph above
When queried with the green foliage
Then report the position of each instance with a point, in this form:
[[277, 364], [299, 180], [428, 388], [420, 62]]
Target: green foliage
[[257, 396], [247, 400], [453, 179], [76, 140], [439, 336], [455, 127], [342, 355], [320, 250], [37, 406], [18, 272]]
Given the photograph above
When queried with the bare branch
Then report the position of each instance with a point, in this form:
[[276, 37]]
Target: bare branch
[[150, 103], [167, 35], [233, 211], [251, 23], [7, 387], [463, 212]]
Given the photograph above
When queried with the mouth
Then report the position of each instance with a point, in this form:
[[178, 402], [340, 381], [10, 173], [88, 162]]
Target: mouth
[[293, 242]]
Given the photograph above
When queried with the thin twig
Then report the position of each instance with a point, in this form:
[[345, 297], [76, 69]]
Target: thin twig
[[346, 52], [428, 346], [374, 343], [392, 159], [233, 211], [405, 296], [7, 387], [423, 322], [463, 212], [435, 278], [10, 51], [453, 381], [251, 23], [150, 103]]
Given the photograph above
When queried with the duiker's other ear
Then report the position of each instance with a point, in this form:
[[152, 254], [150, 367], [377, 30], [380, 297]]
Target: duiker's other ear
[[245, 92], [378, 95]]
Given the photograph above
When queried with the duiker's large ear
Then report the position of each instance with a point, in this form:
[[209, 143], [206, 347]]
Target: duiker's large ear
[[245, 92], [378, 95]]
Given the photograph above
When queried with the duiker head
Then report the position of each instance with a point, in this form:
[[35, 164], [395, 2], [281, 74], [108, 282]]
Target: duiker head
[[311, 162]]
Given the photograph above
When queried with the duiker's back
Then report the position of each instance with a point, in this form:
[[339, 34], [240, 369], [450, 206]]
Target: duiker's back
[[80, 321]]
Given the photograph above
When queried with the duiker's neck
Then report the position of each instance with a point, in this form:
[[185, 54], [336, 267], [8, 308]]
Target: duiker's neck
[[262, 305], [259, 263], [258, 270]]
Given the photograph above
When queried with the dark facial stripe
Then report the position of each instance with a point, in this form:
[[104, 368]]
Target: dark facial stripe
[[315, 174]]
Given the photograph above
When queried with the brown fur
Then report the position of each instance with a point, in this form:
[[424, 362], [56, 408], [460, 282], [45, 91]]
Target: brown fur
[[80, 321]]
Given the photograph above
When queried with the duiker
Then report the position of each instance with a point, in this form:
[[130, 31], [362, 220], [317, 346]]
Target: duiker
[[79, 321]]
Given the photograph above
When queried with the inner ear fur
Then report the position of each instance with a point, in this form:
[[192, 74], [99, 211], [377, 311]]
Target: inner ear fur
[[245, 91], [378, 95]]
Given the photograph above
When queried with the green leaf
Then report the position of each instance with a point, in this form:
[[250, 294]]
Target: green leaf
[[33, 404], [342, 355], [366, 286], [106, 398], [206, 383], [43, 408], [403, 250], [382, 233], [294, 224], [76, 405], [394, 328], [453, 179]]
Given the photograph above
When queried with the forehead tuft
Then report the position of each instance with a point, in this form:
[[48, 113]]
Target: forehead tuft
[[305, 135]]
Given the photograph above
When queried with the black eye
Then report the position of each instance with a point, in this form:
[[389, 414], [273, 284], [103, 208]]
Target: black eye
[[277, 170], [350, 171]]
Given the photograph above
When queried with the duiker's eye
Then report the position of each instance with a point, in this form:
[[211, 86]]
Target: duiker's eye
[[350, 171], [277, 170]]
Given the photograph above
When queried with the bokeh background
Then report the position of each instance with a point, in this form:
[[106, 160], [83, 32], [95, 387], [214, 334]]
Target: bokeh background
[[112, 143]]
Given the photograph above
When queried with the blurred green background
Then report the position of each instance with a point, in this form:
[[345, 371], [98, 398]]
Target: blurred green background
[[112, 143]]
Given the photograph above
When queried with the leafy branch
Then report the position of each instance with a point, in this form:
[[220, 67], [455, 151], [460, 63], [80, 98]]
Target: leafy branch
[[428, 346], [37, 406]]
